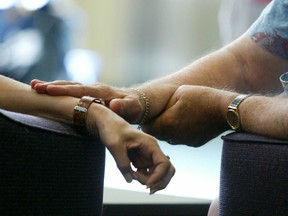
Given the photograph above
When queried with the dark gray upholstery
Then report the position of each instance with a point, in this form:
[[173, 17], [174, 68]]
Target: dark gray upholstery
[[48, 168], [254, 176]]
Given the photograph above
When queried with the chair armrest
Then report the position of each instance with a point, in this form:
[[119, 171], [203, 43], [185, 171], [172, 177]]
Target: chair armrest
[[48, 168], [254, 177]]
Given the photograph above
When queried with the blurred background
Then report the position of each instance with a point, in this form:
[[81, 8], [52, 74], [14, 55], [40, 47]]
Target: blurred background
[[124, 42], [117, 42]]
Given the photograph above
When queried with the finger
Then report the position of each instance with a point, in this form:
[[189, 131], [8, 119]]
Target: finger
[[60, 82], [145, 177], [126, 171], [56, 82], [172, 101], [141, 161], [42, 86], [159, 173], [160, 126], [34, 82], [74, 89], [129, 108], [160, 185], [164, 127], [160, 167], [68, 90], [123, 164], [78, 90], [141, 175]]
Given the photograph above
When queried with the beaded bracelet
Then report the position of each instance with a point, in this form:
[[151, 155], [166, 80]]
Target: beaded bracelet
[[145, 100]]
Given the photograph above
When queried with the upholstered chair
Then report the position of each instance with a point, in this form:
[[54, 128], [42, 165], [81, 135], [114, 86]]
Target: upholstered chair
[[48, 168], [254, 176]]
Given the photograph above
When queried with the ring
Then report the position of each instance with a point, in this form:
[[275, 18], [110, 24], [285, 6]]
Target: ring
[[168, 157]]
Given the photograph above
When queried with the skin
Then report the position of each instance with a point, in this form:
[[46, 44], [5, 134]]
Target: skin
[[202, 90], [207, 119], [127, 145], [189, 106]]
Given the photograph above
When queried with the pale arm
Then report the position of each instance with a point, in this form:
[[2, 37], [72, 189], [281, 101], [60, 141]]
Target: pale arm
[[19, 97]]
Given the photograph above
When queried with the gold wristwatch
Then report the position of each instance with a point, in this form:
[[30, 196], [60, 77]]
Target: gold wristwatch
[[233, 115]]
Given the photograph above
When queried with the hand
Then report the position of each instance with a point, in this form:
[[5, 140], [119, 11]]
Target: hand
[[192, 116], [151, 164], [124, 102], [129, 145]]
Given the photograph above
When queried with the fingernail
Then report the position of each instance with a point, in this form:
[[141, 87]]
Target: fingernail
[[152, 192], [128, 177]]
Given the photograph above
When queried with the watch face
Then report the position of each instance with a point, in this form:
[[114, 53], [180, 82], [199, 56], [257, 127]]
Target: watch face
[[233, 119]]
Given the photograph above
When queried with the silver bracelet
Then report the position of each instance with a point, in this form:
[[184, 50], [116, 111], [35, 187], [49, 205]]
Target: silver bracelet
[[147, 107]]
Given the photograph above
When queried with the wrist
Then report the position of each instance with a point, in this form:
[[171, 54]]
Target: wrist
[[222, 99], [233, 112], [146, 106], [58, 108], [81, 110], [95, 116], [158, 96]]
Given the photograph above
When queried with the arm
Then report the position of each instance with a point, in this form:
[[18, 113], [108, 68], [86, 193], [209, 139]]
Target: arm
[[183, 122], [126, 144], [242, 66], [19, 97]]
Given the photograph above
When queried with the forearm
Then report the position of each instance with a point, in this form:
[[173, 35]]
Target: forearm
[[237, 66], [262, 115], [266, 116], [19, 97], [241, 66]]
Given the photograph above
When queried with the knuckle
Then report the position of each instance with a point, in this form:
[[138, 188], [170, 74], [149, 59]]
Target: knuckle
[[182, 88]]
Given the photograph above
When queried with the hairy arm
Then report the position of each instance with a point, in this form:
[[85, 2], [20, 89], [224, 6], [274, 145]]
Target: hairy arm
[[196, 114], [241, 66]]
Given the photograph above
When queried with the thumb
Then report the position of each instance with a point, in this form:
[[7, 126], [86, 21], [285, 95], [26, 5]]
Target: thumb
[[128, 108], [123, 164], [125, 169], [128, 177]]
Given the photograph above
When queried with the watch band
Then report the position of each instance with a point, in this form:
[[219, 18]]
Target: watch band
[[233, 114], [80, 111], [236, 102]]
